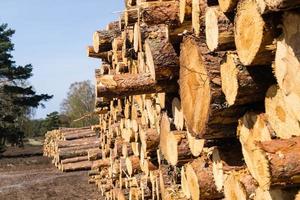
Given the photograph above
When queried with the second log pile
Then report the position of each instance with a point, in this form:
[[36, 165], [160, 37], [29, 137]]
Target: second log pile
[[72, 149], [199, 99]]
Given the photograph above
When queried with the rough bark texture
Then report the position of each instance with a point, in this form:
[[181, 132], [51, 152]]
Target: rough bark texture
[[243, 85], [283, 156], [200, 179], [132, 84], [219, 30], [161, 13], [102, 40], [161, 59]]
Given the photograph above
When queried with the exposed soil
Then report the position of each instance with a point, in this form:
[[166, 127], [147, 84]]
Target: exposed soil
[[25, 174]]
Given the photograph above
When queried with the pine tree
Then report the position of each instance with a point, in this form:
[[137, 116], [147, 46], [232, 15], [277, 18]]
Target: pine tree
[[17, 96]]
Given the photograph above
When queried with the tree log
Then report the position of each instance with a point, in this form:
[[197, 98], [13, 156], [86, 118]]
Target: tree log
[[74, 160], [149, 139], [218, 30], [94, 154], [267, 6], [254, 34], [83, 134], [198, 13], [161, 13], [199, 175], [242, 85], [161, 59], [63, 154], [132, 84], [240, 185], [283, 158], [287, 60], [185, 10], [78, 142], [105, 56], [204, 105], [83, 165], [280, 117], [102, 40], [227, 5]]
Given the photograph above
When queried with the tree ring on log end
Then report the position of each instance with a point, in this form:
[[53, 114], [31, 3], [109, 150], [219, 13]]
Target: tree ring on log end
[[194, 88], [249, 31], [211, 28], [192, 182], [233, 189]]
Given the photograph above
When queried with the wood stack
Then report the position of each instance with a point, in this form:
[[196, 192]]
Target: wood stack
[[199, 99], [71, 149]]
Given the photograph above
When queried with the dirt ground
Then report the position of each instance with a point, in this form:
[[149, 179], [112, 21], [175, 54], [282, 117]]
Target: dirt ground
[[25, 174]]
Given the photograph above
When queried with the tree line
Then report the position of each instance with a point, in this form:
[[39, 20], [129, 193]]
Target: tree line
[[18, 100]]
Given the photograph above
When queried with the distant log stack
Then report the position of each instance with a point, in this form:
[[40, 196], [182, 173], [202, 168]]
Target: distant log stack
[[69, 148], [197, 99]]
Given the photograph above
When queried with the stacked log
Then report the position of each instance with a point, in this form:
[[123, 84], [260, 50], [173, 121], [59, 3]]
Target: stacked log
[[72, 149], [198, 99]]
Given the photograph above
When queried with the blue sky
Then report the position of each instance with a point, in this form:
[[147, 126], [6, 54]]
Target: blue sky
[[52, 35]]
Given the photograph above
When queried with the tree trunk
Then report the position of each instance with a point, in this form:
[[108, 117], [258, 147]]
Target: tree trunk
[[240, 185], [280, 117], [161, 59], [105, 56], [283, 158], [74, 160], [198, 13], [94, 154], [185, 10], [218, 30], [203, 103], [244, 85], [267, 6], [200, 180], [227, 6], [75, 136], [287, 61], [161, 13], [63, 154], [254, 34], [102, 40], [83, 165], [78, 142], [132, 84]]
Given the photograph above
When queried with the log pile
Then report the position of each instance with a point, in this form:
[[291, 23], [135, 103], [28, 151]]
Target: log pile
[[199, 99], [72, 149]]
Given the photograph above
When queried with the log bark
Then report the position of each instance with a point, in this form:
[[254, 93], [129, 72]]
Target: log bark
[[283, 158], [161, 59], [83, 165], [254, 34], [105, 56], [102, 40], [99, 164], [149, 139], [133, 165], [132, 84], [78, 142], [94, 154], [240, 185], [63, 154], [280, 116], [198, 13], [75, 136], [74, 160], [244, 85], [200, 179], [287, 61], [218, 30], [267, 6], [161, 13], [204, 105], [177, 114]]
